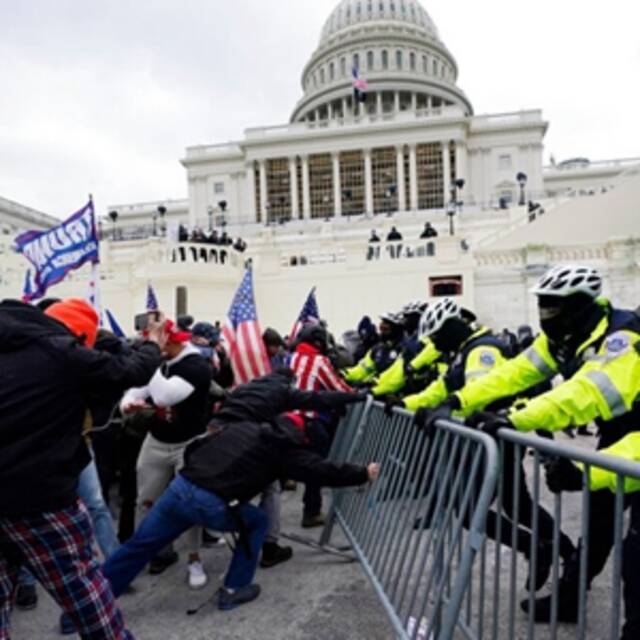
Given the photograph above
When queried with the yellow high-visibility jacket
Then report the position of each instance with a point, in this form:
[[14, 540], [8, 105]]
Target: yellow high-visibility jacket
[[395, 377], [479, 355], [605, 386], [627, 448]]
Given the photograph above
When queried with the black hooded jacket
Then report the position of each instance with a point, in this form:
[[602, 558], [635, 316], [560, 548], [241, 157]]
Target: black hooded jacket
[[251, 446], [47, 380], [264, 399]]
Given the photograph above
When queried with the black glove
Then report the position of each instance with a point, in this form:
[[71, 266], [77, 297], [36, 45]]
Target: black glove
[[488, 422], [390, 402], [563, 475], [425, 419]]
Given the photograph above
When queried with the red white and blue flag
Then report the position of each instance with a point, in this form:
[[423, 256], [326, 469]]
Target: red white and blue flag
[[152, 300], [360, 86], [243, 336], [310, 314], [56, 252]]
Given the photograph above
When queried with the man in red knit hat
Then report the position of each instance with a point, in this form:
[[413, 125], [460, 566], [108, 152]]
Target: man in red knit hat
[[47, 375]]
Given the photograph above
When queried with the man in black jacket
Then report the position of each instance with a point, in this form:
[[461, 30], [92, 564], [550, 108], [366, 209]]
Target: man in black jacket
[[248, 448], [47, 376]]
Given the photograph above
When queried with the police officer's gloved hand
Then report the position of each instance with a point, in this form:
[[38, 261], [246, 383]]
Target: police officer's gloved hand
[[390, 402], [488, 422], [427, 421], [563, 475]]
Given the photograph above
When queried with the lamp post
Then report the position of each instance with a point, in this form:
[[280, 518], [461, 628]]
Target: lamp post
[[222, 205], [162, 212], [451, 212], [113, 215], [522, 181], [210, 215], [458, 185]]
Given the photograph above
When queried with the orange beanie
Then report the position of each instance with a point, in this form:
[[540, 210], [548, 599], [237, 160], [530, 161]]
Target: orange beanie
[[78, 316]]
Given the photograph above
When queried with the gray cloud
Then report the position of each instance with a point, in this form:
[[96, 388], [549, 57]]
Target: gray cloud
[[103, 97]]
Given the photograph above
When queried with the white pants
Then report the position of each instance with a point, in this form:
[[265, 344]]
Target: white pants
[[158, 463]]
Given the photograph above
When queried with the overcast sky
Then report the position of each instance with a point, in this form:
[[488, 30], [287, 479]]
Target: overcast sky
[[104, 96]]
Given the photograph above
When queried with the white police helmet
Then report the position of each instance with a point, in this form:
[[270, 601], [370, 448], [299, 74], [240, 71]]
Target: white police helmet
[[565, 280]]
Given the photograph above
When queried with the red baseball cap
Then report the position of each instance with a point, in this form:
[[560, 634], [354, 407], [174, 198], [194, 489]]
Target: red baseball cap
[[175, 334]]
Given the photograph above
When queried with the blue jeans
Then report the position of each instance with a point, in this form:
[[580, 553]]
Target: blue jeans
[[180, 507], [90, 493]]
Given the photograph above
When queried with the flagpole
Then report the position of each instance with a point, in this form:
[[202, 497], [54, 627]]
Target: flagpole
[[95, 270]]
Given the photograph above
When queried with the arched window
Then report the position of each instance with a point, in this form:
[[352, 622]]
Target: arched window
[[425, 64], [435, 67], [322, 76], [370, 60], [399, 59], [332, 71], [393, 7], [385, 59], [343, 67], [356, 61], [412, 61], [359, 9]]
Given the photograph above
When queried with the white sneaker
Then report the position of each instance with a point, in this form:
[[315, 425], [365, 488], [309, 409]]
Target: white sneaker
[[196, 576]]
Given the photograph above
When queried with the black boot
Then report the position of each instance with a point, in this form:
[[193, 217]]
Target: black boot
[[544, 562], [273, 554]]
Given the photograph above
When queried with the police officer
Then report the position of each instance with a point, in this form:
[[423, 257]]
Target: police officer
[[383, 354], [562, 475], [474, 352], [596, 348]]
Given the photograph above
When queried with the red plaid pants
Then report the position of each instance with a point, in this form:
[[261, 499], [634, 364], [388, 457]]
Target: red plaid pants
[[56, 548]]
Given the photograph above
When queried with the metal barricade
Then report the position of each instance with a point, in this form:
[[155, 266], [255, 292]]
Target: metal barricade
[[566, 544], [417, 530]]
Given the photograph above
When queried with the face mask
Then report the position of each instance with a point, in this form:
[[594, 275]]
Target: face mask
[[451, 336]]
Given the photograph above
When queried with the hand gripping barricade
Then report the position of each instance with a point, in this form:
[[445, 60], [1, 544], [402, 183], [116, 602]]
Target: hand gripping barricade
[[425, 532]]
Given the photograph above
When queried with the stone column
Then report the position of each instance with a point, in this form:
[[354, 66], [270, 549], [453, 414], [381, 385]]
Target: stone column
[[306, 191], [413, 177], [446, 173], [337, 184], [379, 103], [345, 108], [293, 182], [368, 181], [263, 190], [414, 101], [402, 199], [429, 103], [252, 214], [330, 111], [396, 101], [462, 170]]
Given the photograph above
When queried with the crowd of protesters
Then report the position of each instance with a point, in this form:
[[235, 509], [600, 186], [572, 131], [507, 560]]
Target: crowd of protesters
[[192, 453]]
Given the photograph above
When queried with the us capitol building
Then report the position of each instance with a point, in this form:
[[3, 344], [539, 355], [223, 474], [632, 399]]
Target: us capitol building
[[306, 195]]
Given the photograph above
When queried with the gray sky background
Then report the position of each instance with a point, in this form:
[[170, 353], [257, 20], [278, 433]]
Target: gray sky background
[[104, 96]]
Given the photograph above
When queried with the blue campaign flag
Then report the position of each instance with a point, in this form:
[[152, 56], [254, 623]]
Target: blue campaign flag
[[56, 252], [113, 323]]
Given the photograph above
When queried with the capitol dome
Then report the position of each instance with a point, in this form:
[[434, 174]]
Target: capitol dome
[[351, 12], [396, 48]]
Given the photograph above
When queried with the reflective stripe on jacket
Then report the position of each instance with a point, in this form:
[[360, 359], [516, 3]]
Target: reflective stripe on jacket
[[479, 355]]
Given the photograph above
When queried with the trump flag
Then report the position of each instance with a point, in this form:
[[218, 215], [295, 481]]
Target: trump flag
[[56, 252]]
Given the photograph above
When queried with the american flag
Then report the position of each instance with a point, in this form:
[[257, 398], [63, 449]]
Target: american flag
[[152, 301], [243, 336], [310, 314], [360, 85]]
